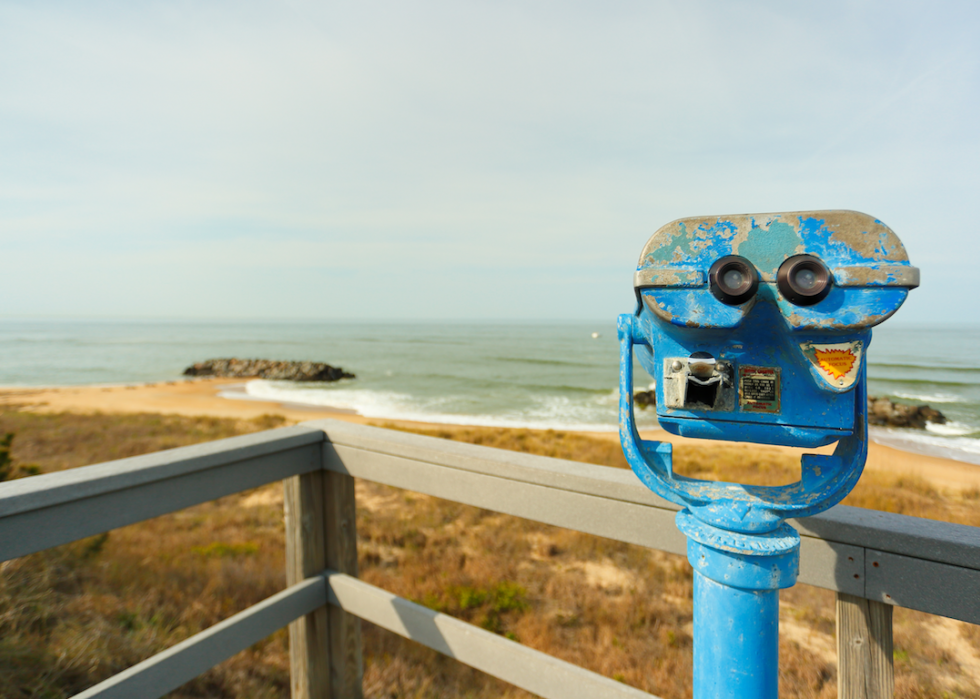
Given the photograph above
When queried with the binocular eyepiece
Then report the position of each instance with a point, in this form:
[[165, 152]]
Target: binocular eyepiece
[[803, 280], [733, 280]]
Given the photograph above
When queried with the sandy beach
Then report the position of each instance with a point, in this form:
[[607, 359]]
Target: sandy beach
[[201, 397], [67, 427]]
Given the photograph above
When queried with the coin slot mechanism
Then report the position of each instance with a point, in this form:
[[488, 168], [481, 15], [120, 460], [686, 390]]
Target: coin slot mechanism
[[699, 383]]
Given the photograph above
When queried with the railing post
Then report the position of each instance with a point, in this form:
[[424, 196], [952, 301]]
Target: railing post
[[346, 664], [864, 649], [303, 502], [324, 646]]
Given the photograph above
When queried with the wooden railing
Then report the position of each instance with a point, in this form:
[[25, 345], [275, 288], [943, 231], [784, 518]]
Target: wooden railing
[[872, 560]]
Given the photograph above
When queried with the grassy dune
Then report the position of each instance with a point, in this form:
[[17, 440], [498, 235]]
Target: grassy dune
[[72, 616]]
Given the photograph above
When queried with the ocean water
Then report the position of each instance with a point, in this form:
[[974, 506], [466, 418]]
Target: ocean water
[[516, 374], [939, 366]]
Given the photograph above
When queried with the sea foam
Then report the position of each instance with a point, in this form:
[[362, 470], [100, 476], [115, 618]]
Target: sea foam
[[931, 397], [597, 413]]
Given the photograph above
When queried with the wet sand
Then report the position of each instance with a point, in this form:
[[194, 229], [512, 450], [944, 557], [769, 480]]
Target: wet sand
[[200, 397]]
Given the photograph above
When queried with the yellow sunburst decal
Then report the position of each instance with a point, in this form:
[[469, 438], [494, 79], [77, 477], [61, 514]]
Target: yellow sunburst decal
[[836, 362]]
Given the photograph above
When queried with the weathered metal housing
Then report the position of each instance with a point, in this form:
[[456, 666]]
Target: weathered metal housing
[[677, 312]]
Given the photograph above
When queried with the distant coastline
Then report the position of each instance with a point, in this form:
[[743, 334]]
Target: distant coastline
[[561, 376], [208, 397]]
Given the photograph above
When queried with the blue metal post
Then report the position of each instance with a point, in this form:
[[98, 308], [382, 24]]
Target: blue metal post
[[737, 578], [736, 641]]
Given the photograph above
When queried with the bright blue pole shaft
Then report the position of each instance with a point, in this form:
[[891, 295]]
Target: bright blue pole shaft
[[737, 578], [736, 641]]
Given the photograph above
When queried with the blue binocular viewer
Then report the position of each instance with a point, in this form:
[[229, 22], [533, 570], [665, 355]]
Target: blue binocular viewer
[[755, 328]]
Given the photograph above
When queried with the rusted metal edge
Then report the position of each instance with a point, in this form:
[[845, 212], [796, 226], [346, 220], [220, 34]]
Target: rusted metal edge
[[878, 275], [665, 276]]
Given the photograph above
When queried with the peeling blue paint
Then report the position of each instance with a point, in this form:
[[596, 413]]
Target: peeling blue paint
[[733, 506], [768, 251], [837, 237]]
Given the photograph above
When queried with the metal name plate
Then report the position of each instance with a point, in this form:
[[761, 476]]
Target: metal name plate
[[758, 389]]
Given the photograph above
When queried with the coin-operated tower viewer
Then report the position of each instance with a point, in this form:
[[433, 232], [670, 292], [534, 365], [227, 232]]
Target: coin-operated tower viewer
[[755, 328]]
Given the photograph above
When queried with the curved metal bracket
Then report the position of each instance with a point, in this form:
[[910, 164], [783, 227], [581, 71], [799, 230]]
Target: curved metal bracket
[[824, 482]]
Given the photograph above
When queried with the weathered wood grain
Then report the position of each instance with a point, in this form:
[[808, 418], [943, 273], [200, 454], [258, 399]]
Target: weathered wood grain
[[303, 503], [864, 649], [345, 657]]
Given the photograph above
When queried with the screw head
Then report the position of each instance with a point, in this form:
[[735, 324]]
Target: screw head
[[676, 365]]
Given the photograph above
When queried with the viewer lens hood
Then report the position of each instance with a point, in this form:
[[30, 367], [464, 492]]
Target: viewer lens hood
[[733, 280], [803, 280]]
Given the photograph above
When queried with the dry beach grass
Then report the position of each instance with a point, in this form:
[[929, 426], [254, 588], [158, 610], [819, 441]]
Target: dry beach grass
[[74, 615]]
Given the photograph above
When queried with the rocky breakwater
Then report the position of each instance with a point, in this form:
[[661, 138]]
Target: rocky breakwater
[[887, 413], [267, 369], [645, 399]]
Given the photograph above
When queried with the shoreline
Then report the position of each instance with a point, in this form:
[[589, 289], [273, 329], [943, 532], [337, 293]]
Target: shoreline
[[203, 397]]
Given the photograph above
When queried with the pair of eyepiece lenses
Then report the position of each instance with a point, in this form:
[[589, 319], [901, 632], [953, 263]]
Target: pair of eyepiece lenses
[[733, 280], [803, 280]]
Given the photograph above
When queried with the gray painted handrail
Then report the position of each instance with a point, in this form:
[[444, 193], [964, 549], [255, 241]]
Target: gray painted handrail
[[519, 665], [942, 542], [181, 663], [896, 559], [906, 561], [529, 669], [933, 540], [73, 484], [40, 512]]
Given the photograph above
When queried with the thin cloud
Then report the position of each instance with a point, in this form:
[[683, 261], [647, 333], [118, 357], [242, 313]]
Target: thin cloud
[[513, 141]]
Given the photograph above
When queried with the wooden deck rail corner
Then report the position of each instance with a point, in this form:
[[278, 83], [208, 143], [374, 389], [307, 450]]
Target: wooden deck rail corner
[[872, 560]]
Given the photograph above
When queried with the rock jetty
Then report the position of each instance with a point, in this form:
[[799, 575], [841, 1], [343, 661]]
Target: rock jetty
[[645, 399], [887, 413], [268, 369], [883, 412]]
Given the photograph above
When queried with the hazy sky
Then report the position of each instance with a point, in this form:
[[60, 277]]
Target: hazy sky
[[462, 159]]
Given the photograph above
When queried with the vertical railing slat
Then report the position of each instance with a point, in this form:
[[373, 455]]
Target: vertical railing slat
[[864, 649]]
